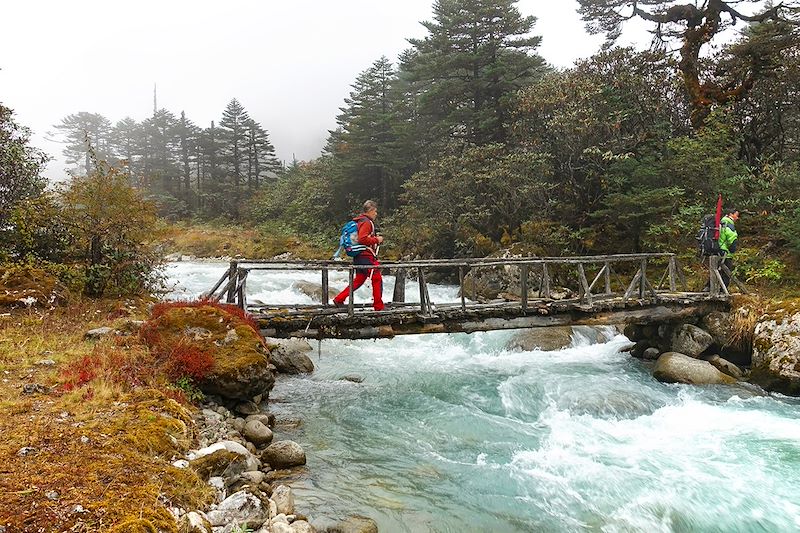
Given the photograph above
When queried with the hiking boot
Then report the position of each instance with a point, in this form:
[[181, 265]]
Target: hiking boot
[[339, 305]]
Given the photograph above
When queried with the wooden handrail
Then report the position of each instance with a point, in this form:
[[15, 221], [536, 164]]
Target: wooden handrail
[[639, 286]]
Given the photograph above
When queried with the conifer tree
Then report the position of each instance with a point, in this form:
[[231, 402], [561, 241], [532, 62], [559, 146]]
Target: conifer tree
[[260, 155], [126, 146], [187, 133], [476, 55], [161, 161], [83, 133], [365, 143], [234, 137], [692, 27]]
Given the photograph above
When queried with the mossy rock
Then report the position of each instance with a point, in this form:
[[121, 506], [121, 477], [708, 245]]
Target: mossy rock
[[776, 349], [241, 366], [214, 464], [28, 286], [136, 525]]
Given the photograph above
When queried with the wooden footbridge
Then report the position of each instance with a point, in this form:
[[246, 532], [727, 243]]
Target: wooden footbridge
[[548, 291]]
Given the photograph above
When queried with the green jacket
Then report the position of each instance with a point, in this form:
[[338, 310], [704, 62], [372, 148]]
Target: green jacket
[[728, 238]]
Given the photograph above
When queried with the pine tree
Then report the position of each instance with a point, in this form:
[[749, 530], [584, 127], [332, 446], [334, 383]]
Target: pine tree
[[126, 146], [161, 162], [210, 175], [690, 27], [234, 135], [260, 154], [476, 55], [365, 143], [84, 133], [187, 133]]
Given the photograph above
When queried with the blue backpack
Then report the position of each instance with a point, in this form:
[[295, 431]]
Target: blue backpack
[[348, 241]]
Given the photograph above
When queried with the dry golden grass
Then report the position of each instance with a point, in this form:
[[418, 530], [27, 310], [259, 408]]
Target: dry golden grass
[[106, 447], [747, 309], [206, 240]]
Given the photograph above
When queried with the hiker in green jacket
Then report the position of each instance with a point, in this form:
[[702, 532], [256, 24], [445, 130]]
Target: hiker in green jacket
[[728, 241]]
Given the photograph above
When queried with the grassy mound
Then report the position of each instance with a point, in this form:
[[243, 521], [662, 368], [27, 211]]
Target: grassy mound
[[27, 286], [90, 447], [218, 345]]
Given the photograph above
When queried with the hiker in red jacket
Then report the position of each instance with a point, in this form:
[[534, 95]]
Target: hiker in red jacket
[[367, 238]]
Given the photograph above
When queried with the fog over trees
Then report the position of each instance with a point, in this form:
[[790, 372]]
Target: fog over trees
[[471, 142]]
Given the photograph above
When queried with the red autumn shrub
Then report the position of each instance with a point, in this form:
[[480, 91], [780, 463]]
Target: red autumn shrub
[[188, 360], [80, 372]]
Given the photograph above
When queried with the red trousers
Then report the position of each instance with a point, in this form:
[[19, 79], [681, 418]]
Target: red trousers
[[361, 276]]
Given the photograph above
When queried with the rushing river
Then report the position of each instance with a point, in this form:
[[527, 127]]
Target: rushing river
[[456, 433]]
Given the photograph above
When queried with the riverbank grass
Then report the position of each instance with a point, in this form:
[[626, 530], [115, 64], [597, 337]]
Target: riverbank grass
[[89, 437], [207, 240]]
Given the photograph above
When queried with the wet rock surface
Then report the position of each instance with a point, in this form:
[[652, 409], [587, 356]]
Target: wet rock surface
[[673, 367]]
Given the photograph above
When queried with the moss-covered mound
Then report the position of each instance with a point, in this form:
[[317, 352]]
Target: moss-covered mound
[[26, 286], [216, 344], [97, 466]]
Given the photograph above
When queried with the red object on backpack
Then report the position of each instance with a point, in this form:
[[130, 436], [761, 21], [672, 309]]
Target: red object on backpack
[[718, 218]]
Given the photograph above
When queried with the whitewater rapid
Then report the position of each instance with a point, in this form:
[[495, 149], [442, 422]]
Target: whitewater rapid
[[457, 433]]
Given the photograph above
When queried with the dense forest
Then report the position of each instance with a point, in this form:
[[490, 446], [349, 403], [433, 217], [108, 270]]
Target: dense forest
[[184, 168], [471, 142]]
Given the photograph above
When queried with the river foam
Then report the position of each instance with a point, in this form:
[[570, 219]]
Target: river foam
[[458, 433]]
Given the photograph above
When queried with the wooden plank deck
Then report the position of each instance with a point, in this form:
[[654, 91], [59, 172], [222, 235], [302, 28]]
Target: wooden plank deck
[[326, 323]]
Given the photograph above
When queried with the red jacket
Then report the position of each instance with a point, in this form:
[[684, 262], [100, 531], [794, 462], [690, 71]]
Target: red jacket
[[366, 233]]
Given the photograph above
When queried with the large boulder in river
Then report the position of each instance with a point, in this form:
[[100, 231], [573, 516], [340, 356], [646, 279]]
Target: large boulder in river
[[290, 355], [216, 344], [776, 349], [690, 340], [545, 339], [313, 290], [674, 367]]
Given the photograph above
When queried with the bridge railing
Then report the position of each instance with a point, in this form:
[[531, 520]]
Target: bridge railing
[[535, 275]]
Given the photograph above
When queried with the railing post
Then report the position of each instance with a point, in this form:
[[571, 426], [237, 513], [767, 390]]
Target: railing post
[[462, 288], [713, 281], [524, 287], [325, 286], [351, 298], [545, 293], [673, 286], [399, 295], [474, 271], [241, 292], [607, 280], [233, 280], [585, 289], [643, 280], [423, 292]]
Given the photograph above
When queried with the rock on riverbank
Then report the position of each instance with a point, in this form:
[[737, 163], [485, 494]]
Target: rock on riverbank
[[776, 349]]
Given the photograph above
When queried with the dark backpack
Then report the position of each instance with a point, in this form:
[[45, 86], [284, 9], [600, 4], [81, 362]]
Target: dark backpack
[[707, 244]]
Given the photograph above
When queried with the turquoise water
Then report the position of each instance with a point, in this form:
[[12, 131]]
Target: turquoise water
[[456, 433]]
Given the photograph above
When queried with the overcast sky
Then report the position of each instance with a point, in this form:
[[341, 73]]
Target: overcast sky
[[290, 62]]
